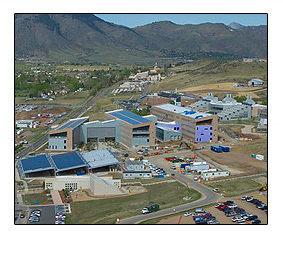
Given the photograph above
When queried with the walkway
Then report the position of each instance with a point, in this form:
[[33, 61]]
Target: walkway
[[56, 197]]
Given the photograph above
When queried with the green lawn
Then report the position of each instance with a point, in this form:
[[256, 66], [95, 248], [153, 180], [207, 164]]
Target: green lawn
[[31, 199], [235, 187], [106, 211]]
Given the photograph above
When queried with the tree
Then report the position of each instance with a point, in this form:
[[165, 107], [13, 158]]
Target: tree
[[172, 102]]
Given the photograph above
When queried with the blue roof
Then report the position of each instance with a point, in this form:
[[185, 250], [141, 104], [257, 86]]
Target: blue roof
[[35, 163], [73, 123], [68, 161], [129, 117]]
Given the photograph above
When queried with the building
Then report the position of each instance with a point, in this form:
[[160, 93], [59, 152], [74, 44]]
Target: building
[[262, 125], [255, 82], [100, 131], [67, 164], [263, 113], [199, 166], [195, 126], [104, 185], [134, 130], [213, 173], [97, 185], [142, 174], [166, 131], [227, 109], [134, 165], [258, 109], [67, 136], [24, 123]]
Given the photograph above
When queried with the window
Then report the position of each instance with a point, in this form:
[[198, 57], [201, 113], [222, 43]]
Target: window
[[211, 127], [65, 141], [210, 133], [147, 140], [64, 147]]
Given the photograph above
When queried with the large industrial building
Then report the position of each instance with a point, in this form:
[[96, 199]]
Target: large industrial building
[[227, 109], [195, 126], [120, 126], [135, 130], [73, 170]]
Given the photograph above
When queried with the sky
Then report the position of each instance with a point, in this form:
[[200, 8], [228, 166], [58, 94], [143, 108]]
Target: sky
[[133, 20]]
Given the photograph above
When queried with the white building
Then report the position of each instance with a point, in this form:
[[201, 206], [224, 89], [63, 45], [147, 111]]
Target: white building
[[213, 173], [199, 166], [134, 165], [145, 174], [24, 123], [255, 82]]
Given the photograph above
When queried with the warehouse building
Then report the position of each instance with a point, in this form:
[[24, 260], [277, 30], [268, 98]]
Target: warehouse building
[[255, 82], [195, 126], [67, 164], [134, 130]]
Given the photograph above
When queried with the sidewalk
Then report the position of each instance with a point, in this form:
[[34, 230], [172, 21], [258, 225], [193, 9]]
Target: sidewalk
[[56, 197]]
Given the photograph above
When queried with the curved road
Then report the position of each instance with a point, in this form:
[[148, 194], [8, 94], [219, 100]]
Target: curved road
[[208, 197]]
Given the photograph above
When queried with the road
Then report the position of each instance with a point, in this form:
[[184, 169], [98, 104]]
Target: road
[[77, 113], [208, 196]]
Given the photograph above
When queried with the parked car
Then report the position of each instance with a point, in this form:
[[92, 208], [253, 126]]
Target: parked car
[[252, 217], [249, 199], [256, 221], [212, 222], [187, 214], [22, 215]]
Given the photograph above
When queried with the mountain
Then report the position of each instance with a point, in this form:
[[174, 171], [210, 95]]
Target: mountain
[[87, 38], [236, 26]]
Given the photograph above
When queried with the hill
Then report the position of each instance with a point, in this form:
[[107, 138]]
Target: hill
[[87, 38]]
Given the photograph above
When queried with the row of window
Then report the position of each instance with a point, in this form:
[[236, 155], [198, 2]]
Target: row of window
[[71, 185], [54, 147]]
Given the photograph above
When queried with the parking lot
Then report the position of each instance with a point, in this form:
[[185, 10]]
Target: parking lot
[[47, 215], [219, 215]]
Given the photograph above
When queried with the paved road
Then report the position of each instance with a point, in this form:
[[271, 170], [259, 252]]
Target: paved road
[[208, 197]]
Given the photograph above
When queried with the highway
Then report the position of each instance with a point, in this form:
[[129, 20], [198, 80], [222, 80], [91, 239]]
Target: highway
[[208, 196]]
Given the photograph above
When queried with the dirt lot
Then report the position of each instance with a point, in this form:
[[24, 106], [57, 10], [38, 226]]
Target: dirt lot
[[236, 162], [249, 207], [223, 87]]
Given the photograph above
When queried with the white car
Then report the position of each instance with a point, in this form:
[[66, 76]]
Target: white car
[[187, 214], [233, 206]]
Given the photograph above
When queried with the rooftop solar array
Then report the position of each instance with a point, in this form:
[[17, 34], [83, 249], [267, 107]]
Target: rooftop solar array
[[68, 161], [73, 123], [35, 163], [129, 117]]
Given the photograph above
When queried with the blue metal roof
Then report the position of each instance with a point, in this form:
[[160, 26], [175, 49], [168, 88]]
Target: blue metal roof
[[129, 117], [73, 123], [35, 163], [68, 161]]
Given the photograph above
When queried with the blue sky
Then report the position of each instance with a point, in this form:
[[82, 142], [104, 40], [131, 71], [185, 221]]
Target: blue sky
[[132, 20]]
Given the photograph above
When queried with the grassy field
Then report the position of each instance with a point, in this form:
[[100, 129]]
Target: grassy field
[[156, 220], [31, 199], [207, 72], [106, 211], [235, 187]]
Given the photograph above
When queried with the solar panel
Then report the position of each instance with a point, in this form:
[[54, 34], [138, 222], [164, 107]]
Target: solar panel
[[129, 117], [124, 118], [72, 124], [68, 161], [39, 162], [134, 116]]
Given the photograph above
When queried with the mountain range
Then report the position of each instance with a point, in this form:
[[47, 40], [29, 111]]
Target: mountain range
[[87, 38]]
